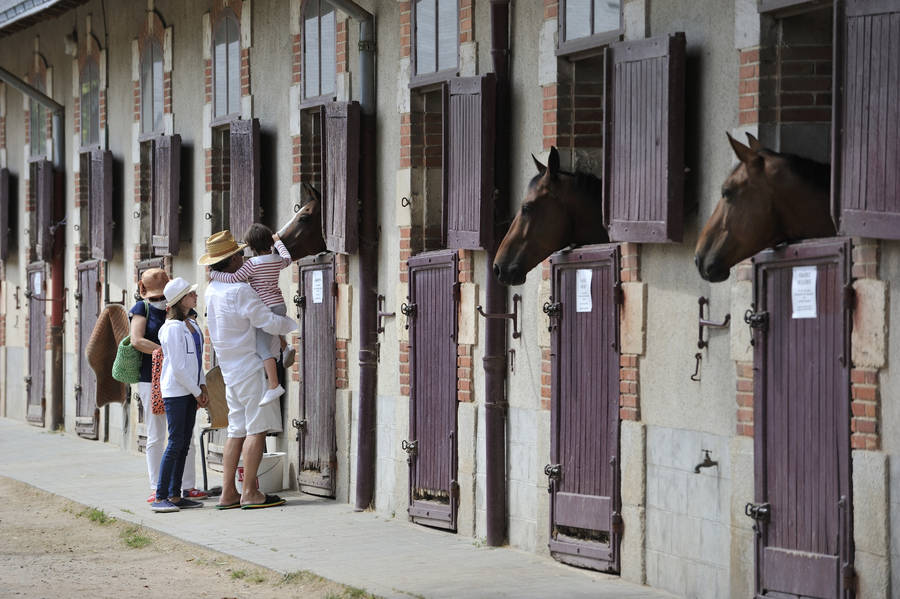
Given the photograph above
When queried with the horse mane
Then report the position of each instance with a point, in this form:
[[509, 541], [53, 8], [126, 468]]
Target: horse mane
[[815, 174], [589, 183]]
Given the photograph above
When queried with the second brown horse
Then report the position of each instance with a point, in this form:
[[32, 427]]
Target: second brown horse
[[769, 198]]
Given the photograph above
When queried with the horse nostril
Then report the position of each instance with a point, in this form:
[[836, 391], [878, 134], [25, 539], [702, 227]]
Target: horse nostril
[[496, 270], [696, 260]]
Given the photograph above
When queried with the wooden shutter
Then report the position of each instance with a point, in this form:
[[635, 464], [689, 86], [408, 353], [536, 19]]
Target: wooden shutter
[[100, 202], [866, 148], [42, 186], [341, 207], [244, 176], [643, 179], [166, 197], [470, 162], [4, 214]]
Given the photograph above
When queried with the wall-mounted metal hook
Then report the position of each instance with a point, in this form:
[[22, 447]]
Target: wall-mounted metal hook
[[512, 360], [16, 295], [404, 201], [207, 216], [703, 322], [297, 208], [382, 314], [514, 316], [696, 376]]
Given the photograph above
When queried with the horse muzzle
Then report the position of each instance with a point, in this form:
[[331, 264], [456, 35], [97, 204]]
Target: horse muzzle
[[711, 270], [513, 274]]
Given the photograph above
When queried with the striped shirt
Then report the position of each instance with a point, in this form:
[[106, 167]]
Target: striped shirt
[[262, 274]]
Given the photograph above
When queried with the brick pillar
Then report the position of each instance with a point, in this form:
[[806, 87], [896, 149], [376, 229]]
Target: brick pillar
[[629, 363], [865, 393], [744, 371], [464, 379]]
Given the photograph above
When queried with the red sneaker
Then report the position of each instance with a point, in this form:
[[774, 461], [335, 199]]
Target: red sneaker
[[195, 494], [152, 497]]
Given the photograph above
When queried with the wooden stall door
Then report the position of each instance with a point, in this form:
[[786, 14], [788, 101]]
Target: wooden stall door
[[86, 412], [434, 491], [317, 437], [803, 506], [585, 527], [37, 327]]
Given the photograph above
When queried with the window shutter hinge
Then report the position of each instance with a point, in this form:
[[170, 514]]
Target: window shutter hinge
[[848, 577], [454, 490], [618, 294], [334, 289], [456, 292]]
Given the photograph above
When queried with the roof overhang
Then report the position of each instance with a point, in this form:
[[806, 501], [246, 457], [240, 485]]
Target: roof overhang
[[16, 15]]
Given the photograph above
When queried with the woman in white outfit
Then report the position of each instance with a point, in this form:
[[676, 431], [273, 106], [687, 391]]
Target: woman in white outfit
[[147, 316]]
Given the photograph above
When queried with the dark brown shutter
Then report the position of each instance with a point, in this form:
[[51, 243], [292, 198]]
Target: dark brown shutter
[[644, 167], [42, 184], [341, 207], [4, 214], [166, 198], [100, 202], [866, 149], [244, 176], [470, 162]]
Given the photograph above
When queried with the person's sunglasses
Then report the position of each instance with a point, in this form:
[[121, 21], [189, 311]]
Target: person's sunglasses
[[156, 298]]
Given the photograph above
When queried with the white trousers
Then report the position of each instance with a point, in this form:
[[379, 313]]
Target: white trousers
[[157, 429]]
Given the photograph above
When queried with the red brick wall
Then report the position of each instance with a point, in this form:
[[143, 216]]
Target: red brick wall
[[464, 380], [342, 371], [804, 84], [865, 394]]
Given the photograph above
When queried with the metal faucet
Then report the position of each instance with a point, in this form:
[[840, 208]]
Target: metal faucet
[[706, 463]]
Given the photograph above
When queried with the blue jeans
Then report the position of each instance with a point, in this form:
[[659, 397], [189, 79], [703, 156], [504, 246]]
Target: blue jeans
[[181, 412]]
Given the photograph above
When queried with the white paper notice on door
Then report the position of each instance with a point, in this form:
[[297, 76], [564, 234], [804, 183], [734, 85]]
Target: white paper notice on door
[[317, 286], [583, 290], [803, 292]]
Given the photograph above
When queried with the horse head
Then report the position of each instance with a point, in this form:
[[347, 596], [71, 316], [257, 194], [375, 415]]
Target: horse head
[[560, 209], [768, 198], [302, 235]]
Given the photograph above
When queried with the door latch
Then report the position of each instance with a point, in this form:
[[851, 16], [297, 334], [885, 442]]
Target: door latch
[[552, 310], [758, 511], [757, 320], [300, 425], [411, 448], [554, 473], [407, 310]]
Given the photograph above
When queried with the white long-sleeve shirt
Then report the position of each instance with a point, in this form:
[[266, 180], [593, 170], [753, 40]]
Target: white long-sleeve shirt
[[181, 372], [234, 312]]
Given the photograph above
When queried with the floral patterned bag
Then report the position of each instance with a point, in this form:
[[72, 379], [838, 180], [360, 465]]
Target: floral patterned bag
[[157, 405]]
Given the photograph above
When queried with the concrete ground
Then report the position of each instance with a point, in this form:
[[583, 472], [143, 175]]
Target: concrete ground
[[387, 557]]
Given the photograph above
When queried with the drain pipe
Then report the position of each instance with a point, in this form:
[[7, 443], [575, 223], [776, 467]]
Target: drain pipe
[[368, 260], [494, 360], [57, 263]]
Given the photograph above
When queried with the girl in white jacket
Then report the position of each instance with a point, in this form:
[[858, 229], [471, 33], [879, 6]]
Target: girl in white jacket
[[183, 387]]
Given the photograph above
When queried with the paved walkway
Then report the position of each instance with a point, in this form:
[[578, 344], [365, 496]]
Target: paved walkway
[[388, 557]]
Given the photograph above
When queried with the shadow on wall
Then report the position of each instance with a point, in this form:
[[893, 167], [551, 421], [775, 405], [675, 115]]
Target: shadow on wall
[[693, 121], [13, 220], [186, 194], [268, 175]]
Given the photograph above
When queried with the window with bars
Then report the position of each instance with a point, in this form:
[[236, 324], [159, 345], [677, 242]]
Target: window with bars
[[151, 87], [319, 49], [436, 26], [38, 125], [227, 65], [584, 24], [90, 103]]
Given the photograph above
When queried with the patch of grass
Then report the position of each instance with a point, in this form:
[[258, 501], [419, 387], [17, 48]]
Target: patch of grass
[[355, 593], [238, 574], [127, 511], [134, 537], [96, 515], [257, 577]]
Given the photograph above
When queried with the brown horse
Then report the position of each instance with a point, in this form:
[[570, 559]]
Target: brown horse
[[560, 209], [302, 235], [769, 198]]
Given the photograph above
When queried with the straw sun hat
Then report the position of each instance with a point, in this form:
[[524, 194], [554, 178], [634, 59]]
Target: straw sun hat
[[153, 282], [220, 246]]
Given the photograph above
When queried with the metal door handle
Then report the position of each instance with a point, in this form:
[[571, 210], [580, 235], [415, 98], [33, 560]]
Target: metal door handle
[[758, 511]]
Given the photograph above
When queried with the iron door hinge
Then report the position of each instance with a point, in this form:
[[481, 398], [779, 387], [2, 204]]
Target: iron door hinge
[[618, 524], [849, 297], [300, 425], [334, 289], [456, 292], [407, 310], [848, 577], [454, 490], [300, 301], [618, 294]]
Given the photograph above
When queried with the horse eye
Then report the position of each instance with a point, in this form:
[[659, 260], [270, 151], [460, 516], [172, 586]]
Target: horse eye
[[526, 208], [304, 217]]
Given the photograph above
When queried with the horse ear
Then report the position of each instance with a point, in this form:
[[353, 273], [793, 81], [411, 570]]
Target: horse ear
[[553, 161], [744, 154], [754, 143], [540, 167]]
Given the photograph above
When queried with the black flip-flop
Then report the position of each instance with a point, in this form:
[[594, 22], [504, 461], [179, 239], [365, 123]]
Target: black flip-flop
[[229, 506], [269, 501]]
